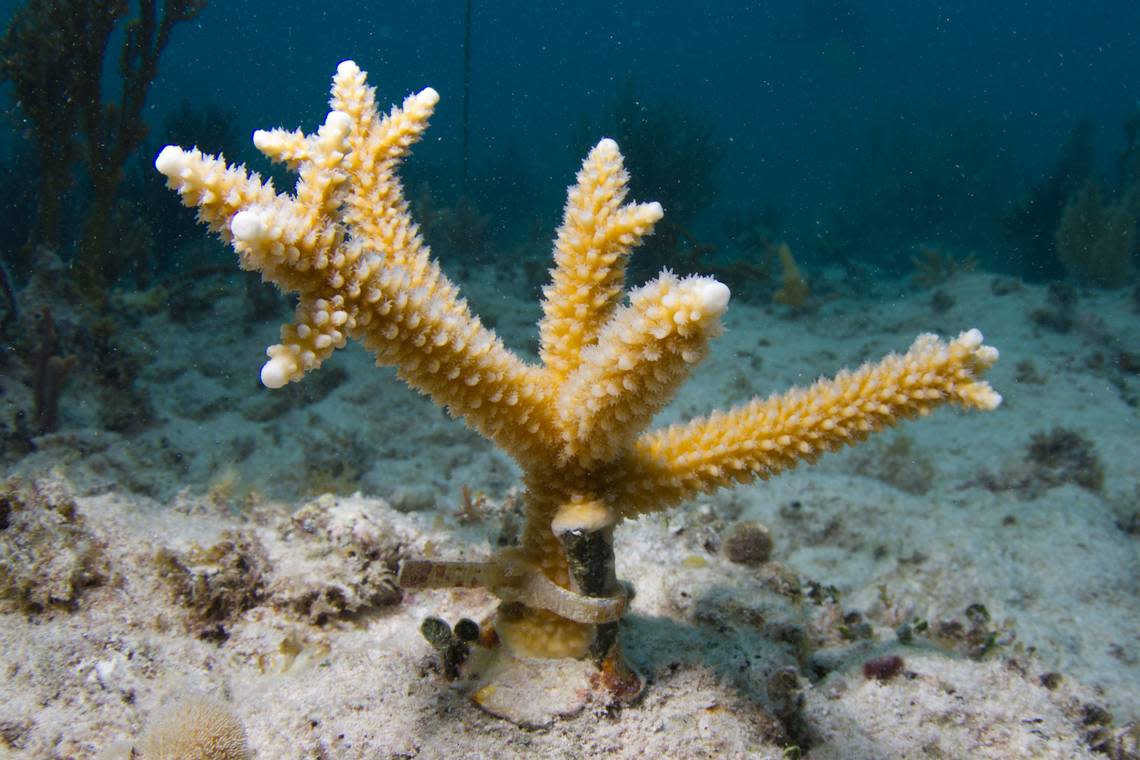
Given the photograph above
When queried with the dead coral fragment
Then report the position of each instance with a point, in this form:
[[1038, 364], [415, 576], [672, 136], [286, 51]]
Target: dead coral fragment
[[217, 584], [342, 561], [47, 555]]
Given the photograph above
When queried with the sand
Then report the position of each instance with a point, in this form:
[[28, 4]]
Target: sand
[[240, 549]]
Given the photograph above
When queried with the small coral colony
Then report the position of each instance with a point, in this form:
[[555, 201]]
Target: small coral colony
[[344, 241]]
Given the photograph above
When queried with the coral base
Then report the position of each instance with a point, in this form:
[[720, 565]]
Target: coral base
[[536, 691]]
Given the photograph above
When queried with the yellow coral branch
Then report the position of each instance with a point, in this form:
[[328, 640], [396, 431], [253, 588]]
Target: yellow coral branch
[[422, 327], [590, 255], [768, 436], [346, 243], [642, 357], [376, 210]]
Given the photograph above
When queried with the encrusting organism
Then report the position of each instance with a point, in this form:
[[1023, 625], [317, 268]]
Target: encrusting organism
[[346, 244]]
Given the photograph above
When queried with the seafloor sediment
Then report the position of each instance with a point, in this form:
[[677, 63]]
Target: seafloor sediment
[[242, 548]]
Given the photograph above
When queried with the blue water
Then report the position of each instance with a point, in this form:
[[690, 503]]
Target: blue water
[[800, 95]]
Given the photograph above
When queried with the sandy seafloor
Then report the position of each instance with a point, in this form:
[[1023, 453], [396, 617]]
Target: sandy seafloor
[[318, 659]]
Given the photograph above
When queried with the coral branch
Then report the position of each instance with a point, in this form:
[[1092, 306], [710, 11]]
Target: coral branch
[[640, 359], [767, 436], [591, 250]]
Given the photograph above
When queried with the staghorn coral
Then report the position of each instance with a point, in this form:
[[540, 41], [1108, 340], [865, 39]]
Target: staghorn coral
[[346, 243], [675, 154]]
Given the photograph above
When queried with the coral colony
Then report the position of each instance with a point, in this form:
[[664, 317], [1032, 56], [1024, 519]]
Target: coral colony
[[347, 245]]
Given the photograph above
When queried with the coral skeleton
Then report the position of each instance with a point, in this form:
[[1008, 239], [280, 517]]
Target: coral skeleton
[[345, 242]]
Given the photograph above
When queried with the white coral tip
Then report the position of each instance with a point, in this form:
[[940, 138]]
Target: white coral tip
[[263, 140], [246, 226], [711, 296], [347, 68], [277, 371], [972, 338], [338, 122], [607, 144], [429, 96], [170, 160]]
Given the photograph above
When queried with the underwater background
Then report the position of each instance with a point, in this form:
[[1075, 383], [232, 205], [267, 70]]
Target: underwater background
[[856, 172]]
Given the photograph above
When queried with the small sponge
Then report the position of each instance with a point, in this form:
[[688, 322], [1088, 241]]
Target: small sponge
[[196, 727]]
